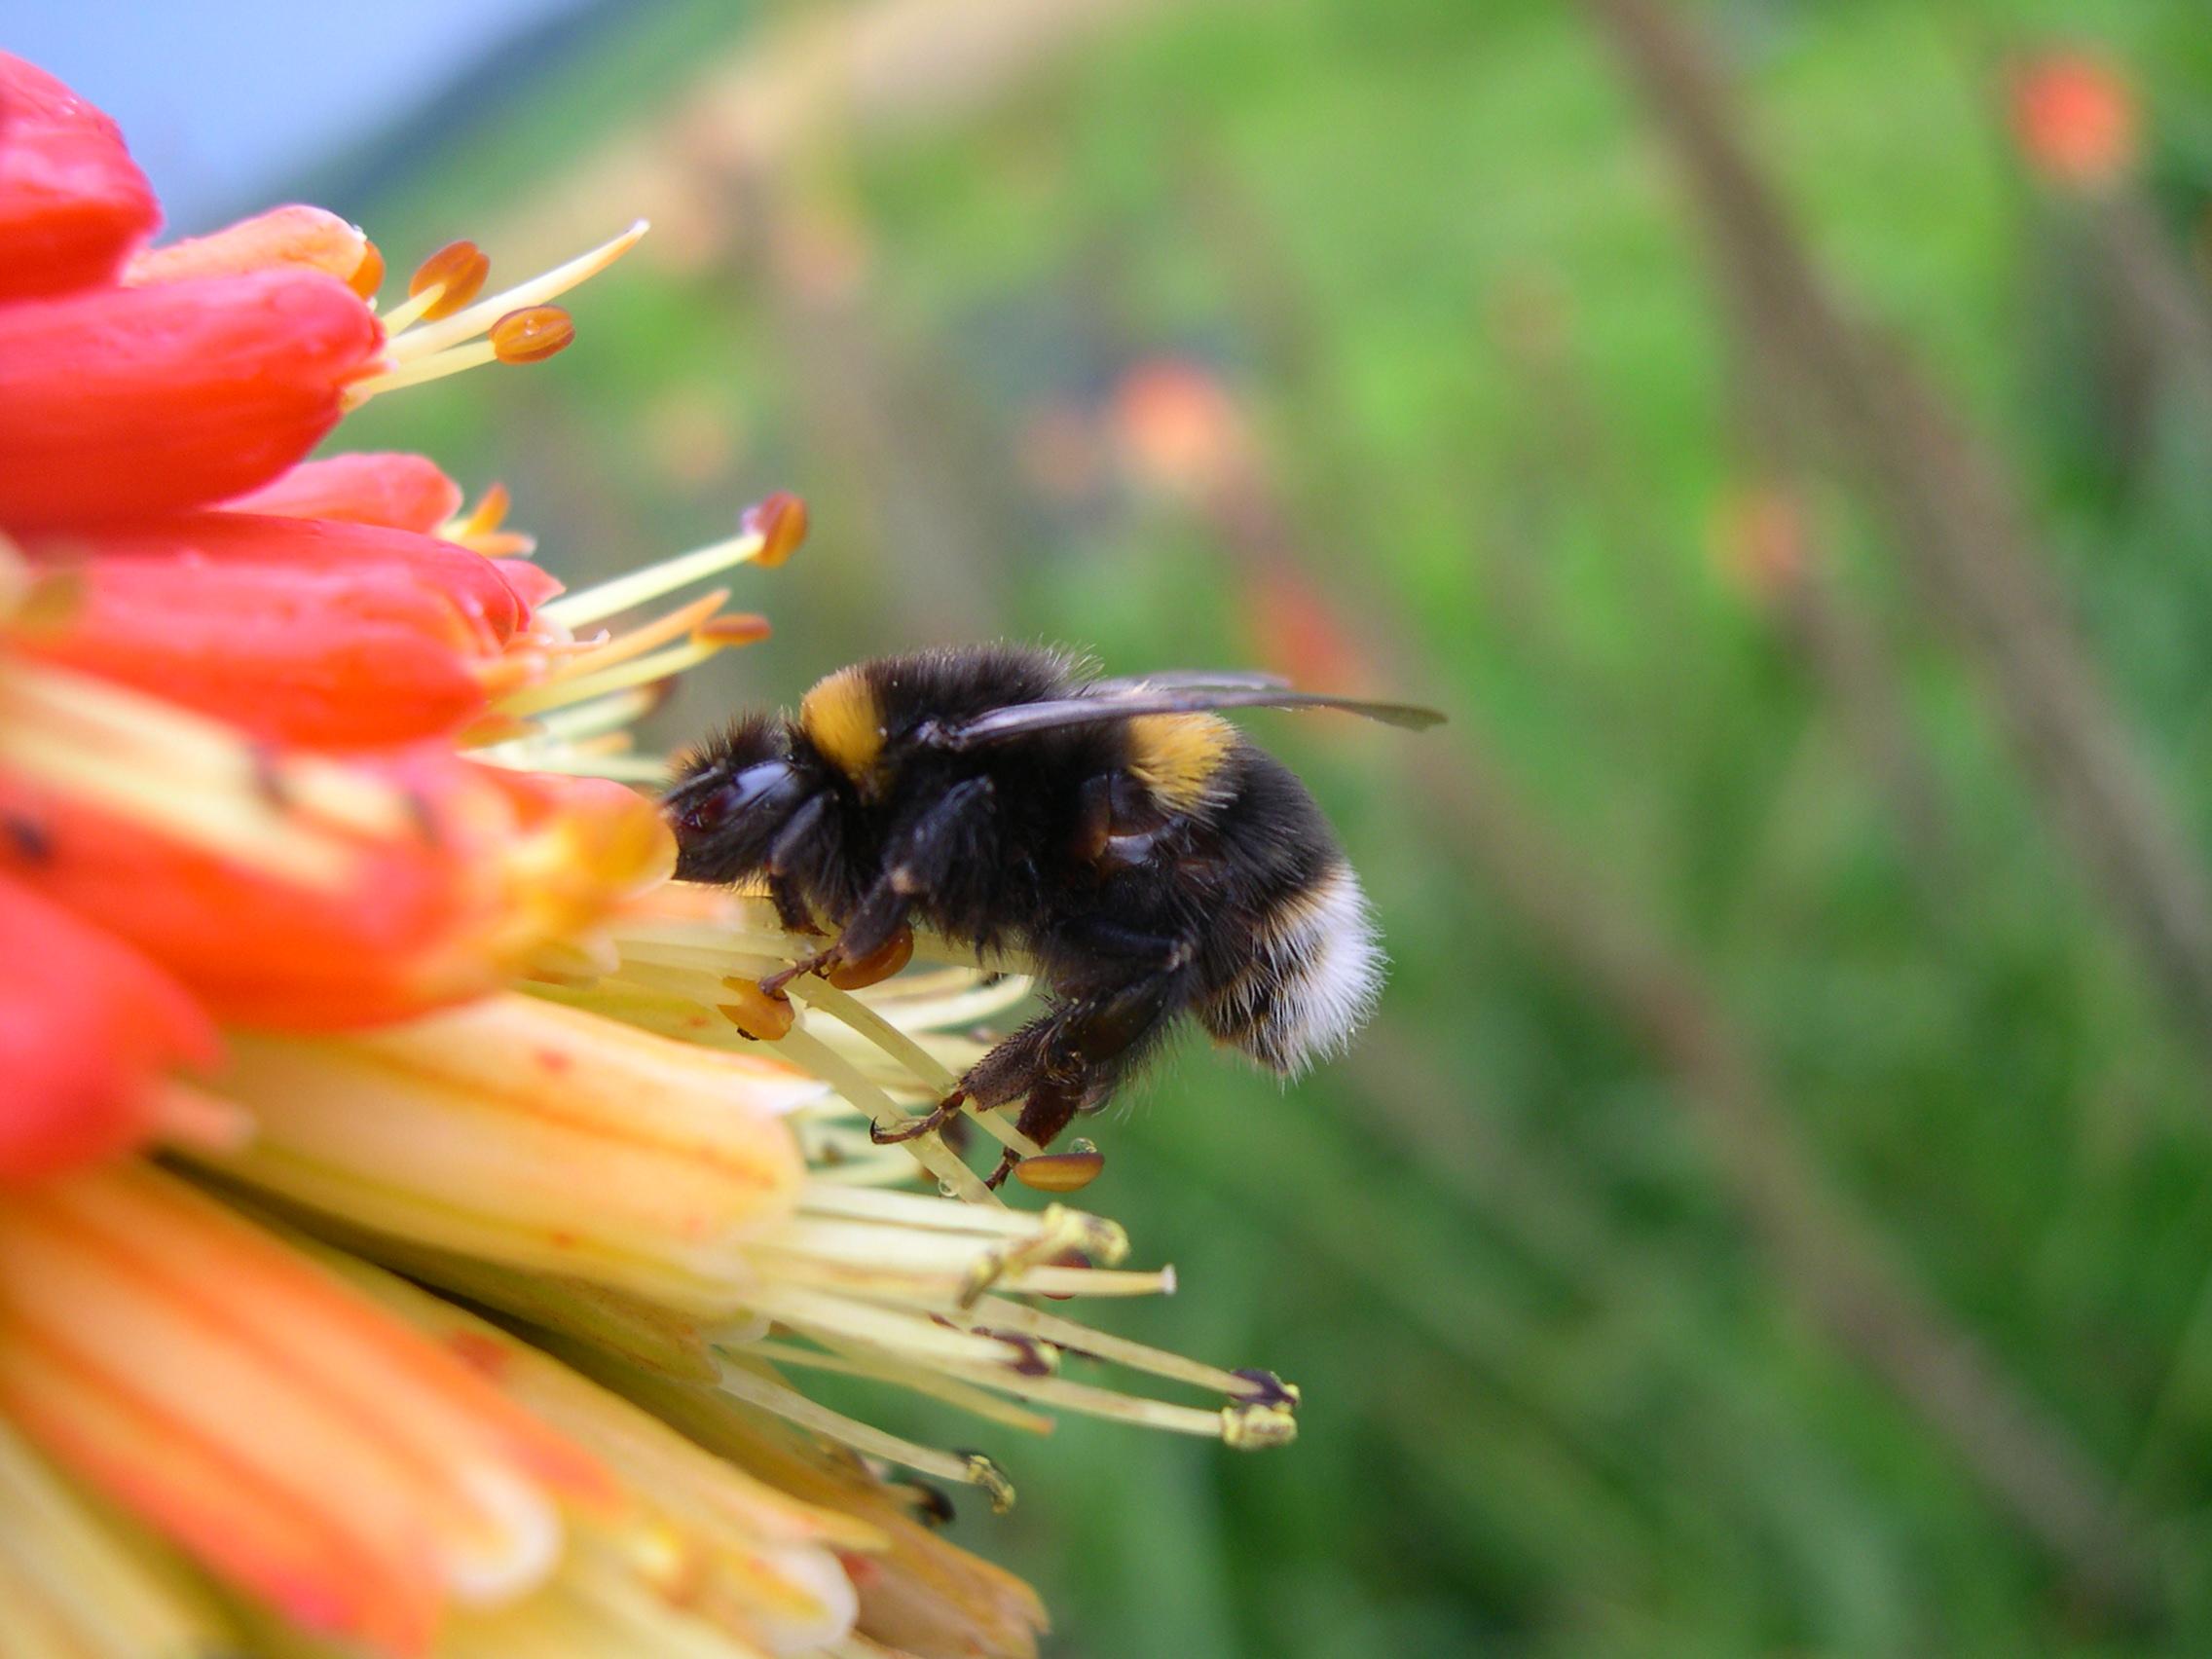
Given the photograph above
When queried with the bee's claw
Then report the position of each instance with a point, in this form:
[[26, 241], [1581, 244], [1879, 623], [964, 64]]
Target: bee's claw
[[773, 986], [898, 1134]]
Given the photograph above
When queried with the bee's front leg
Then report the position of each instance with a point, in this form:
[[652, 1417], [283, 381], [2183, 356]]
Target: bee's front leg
[[919, 857]]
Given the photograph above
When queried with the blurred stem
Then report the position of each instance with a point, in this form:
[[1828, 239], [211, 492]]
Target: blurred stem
[[1952, 516]]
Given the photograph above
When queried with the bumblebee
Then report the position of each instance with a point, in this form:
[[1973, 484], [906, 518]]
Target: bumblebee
[[1120, 833]]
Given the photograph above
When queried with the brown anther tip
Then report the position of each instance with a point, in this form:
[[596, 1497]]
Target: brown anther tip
[[780, 521], [1032, 1358], [1060, 1171], [533, 334], [756, 1014], [932, 1507], [1250, 1426], [740, 628], [1268, 1390], [1065, 1258], [992, 1479], [877, 965], [368, 276], [461, 267]]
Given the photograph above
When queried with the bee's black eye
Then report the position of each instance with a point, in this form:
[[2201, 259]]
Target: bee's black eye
[[757, 785]]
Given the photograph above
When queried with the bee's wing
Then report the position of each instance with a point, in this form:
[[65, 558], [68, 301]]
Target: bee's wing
[[1188, 680], [1125, 699]]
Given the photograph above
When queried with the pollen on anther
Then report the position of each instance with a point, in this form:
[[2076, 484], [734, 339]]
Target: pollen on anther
[[756, 1014], [460, 268], [533, 334], [877, 965], [1060, 1171]]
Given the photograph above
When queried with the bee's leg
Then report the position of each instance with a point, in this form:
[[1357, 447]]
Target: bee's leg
[[792, 908], [1098, 1038], [918, 860], [1005, 1073]]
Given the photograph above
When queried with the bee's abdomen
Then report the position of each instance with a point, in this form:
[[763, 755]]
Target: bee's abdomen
[[1311, 977]]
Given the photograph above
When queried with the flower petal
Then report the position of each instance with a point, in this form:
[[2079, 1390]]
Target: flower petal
[[193, 541], [295, 235], [72, 202], [86, 1026], [494, 866], [532, 1135], [121, 402], [398, 491], [339, 659]]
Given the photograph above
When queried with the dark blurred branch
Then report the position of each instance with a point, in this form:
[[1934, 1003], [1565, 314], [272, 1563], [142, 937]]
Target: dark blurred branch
[[1953, 517]]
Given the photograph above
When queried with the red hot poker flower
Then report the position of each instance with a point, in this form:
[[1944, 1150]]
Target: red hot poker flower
[[122, 402], [87, 1027], [2074, 117], [72, 203]]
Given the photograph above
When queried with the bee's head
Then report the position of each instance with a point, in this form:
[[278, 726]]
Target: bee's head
[[732, 796]]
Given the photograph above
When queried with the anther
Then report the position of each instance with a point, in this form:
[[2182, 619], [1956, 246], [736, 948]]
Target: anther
[[739, 628], [368, 276], [780, 521], [877, 965], [459, 269], [757, 1014], [531, 335], [932, 1507], [992, 1479], [1060, 1171], [1251, 1426], [1033, 1358]]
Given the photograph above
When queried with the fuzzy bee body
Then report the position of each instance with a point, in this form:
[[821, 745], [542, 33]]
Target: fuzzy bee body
[[1122, 834]]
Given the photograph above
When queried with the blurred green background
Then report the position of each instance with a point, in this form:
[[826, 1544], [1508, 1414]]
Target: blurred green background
[[1772, 1213]]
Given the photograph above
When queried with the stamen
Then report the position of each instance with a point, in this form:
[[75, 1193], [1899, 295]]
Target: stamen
[[971, 1469], [1243, 1425], [533, 334], [432, 337], [447, 281], [661, 665], [965, 1395], [592, 603], [857, 1017], [955, 1178], [624, 647], [1001, 1315], [419, 371], [916, 1210]]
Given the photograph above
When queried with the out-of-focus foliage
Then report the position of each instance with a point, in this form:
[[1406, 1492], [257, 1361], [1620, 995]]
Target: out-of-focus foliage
[[1405, 295]]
